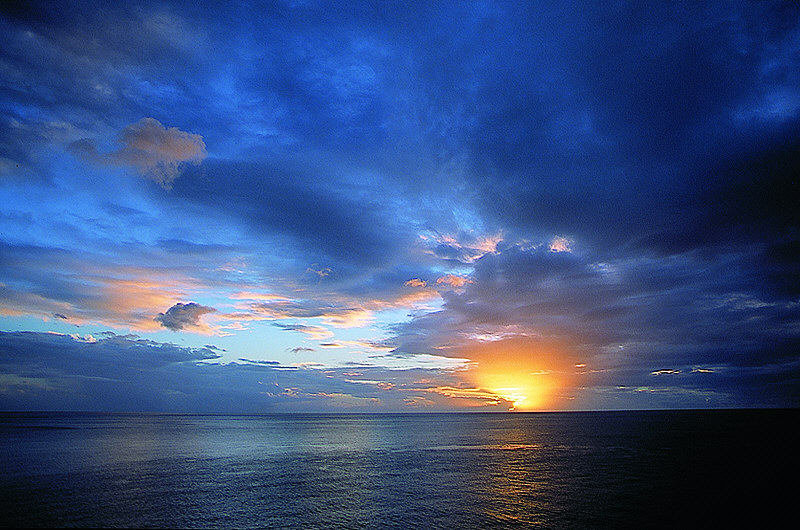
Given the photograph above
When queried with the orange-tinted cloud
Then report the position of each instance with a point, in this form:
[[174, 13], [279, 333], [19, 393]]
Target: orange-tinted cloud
[[331, 309], [462, 396], [453, 280], [466, 248], [120, 297], [133, 297], [157, 153], [560, 244]]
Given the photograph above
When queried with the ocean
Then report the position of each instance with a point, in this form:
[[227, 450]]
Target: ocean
[[655, 469]]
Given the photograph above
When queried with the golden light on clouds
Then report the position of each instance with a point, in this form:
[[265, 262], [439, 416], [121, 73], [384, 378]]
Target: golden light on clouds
[[561, 244]]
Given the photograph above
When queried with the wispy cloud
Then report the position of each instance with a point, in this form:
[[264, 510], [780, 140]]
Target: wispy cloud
[[315, 332]]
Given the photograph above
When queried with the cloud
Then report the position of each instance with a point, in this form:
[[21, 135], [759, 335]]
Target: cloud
[[51, 371], [622, 319], [46, 282], [453, 280], [464, 248], [157, 153], [308, 210], [334, 310], [561, 244], [665, 371], [471, 397], [663, 143], [182, 316], [342, 400], [315, 332]]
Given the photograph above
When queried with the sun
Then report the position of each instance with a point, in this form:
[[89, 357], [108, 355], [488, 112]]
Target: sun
[[513, 395], [523, 390], [524, 374]]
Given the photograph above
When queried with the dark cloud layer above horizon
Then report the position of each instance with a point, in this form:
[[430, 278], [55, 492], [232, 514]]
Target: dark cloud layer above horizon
[[427, 181]]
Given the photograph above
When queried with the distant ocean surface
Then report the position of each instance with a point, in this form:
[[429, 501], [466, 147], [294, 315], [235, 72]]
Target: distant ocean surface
[[676, 469]]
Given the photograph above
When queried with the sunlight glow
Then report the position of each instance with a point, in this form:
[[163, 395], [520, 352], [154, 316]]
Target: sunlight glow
[[522, 391], [513, 394]]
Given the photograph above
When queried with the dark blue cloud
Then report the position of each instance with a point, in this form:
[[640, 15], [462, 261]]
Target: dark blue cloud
[[320, 220], [182, 316]]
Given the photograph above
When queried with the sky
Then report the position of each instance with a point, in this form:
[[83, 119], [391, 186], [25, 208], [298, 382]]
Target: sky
[[246, 207]]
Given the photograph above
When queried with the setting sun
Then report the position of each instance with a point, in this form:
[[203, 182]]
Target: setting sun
[[514, 394], [525, 374], [524, 391]]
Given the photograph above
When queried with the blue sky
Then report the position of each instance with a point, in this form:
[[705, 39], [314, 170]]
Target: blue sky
[[310, 206]]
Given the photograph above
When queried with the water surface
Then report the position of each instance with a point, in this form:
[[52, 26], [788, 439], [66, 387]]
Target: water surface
[[549, 470]]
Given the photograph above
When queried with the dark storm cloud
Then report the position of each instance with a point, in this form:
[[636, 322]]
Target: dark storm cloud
[[562, 121], [181, 316]]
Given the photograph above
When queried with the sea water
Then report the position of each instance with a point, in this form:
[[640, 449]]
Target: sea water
[[675, 469]]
